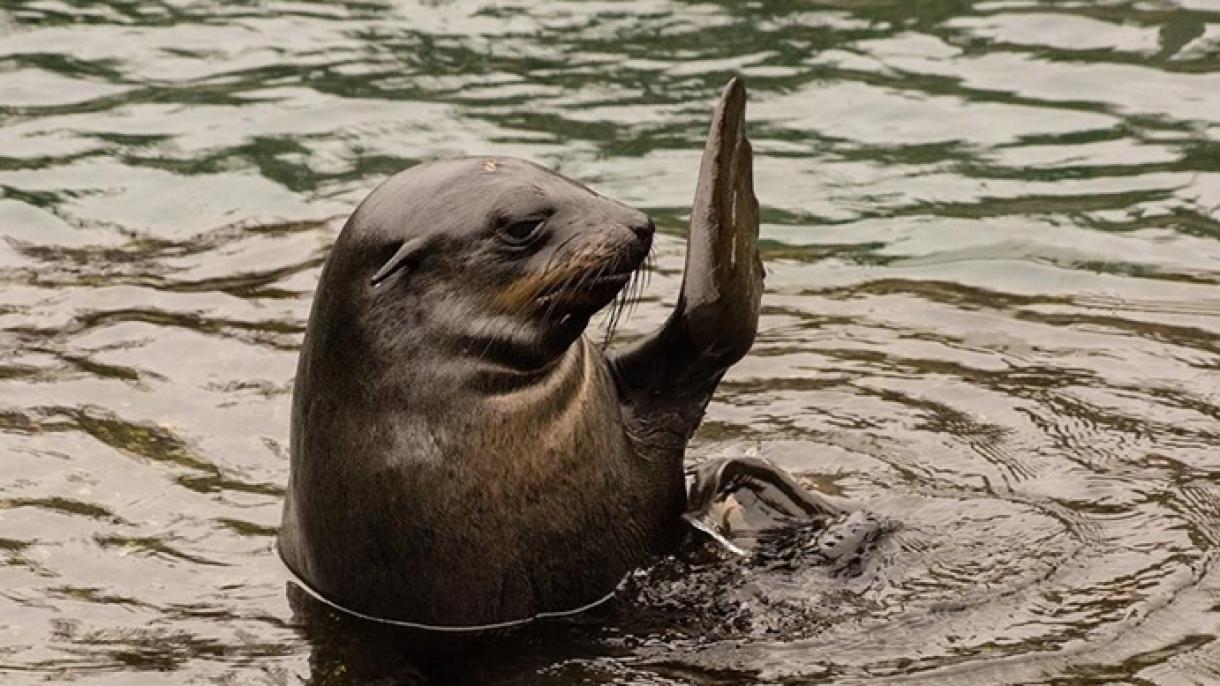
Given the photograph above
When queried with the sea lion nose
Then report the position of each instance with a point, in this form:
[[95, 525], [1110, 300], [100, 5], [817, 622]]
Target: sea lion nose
[[642, 225]]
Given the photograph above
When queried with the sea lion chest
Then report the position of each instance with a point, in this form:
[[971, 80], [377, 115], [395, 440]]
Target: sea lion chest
[[483, 504], [537, 452]]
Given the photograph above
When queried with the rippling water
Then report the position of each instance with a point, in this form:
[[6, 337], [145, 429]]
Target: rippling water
[[992, 234]]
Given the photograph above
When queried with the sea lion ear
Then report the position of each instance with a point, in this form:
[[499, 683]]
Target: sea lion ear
[[406, 254]]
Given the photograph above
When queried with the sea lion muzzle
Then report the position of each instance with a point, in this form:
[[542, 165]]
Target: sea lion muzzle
[[582, 278]]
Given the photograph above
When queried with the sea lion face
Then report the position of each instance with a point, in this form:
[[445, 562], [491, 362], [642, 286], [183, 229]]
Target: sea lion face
[[509, 253]]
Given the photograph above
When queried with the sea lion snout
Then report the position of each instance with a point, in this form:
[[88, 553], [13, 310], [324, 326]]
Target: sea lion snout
[[642, 226], [625, 234], [627, 250]]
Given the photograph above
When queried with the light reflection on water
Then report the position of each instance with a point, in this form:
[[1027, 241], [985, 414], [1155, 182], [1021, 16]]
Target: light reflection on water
[[991, 233]]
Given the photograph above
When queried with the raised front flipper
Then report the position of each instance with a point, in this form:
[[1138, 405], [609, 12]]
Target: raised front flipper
[[669, 376]]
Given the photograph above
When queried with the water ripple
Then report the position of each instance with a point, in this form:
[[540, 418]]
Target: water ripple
[[991, 230]]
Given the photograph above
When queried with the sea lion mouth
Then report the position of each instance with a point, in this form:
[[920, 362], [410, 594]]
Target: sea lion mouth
[[593, 287], [589, 297], [594, 284], [617, 284]]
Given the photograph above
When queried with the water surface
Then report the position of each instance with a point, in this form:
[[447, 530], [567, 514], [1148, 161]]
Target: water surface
[[992, 234]]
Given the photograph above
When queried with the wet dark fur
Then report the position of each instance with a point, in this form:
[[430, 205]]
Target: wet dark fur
[[461, 453], [439, 414]]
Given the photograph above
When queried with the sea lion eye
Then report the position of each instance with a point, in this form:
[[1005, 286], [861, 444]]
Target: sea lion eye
[[521, 231]]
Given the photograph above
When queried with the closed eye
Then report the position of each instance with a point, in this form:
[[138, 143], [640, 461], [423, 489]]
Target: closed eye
[[521, 231]]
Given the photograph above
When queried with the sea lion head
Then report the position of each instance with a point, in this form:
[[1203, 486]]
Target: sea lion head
[[505, 257]]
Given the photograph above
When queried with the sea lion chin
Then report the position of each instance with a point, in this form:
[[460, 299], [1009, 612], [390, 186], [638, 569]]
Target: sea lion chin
[[461, 454]]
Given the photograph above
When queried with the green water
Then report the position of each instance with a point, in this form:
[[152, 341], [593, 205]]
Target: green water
[[992, 234]]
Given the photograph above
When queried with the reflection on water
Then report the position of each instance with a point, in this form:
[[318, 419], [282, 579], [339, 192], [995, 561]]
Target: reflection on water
[[992, 233]]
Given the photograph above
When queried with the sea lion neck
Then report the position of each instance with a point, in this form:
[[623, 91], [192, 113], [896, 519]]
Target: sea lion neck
[[441, 340], [500, 353]]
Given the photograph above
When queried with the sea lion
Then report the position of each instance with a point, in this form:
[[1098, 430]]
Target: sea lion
[[462, 456]]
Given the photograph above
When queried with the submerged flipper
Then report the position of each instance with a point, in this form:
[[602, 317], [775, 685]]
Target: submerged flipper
[[733, 500], [714, 322], [717, 478]]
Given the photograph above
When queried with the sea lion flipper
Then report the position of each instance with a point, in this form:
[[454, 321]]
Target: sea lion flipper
[[723, 283], [714, 479], [716, 317], [734, 500]]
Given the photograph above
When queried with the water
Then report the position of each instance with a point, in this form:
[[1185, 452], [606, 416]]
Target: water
[[992, 234]]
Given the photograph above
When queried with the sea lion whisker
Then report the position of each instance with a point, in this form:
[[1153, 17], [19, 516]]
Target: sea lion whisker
[[564, 285], [631, 295], [553, 301], [491, 340], [635, 293], [558, 252], [610, 320], [618, 308], [543, 282], [523, 294], [621, 303], [650, 267], [616, 317]]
